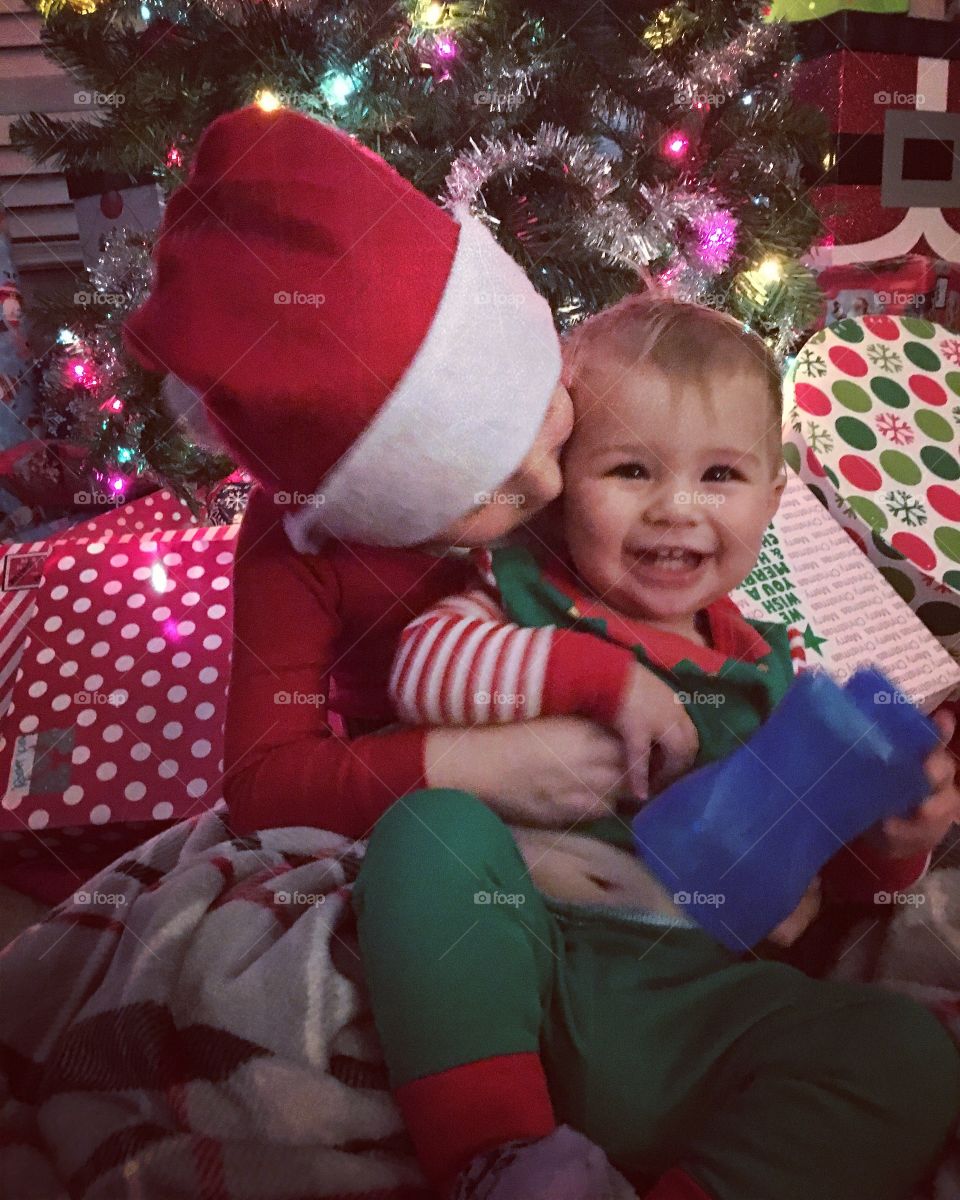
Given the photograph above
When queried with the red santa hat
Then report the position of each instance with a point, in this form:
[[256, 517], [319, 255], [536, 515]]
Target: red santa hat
[[374, 361]]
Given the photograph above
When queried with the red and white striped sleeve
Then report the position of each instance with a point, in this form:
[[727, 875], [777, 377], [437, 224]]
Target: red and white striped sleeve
[[463, 663]]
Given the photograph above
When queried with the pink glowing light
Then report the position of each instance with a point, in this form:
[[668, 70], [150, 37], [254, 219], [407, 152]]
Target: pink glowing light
[[677, 144], [79, 370]]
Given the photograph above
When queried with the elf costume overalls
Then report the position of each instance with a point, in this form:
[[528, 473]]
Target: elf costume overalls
[[658, 1044]]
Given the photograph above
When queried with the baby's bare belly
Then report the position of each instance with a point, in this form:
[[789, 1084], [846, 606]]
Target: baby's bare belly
[[584, 870]]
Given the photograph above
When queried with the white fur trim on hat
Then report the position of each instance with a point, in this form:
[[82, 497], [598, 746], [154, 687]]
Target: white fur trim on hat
[[459, 422]]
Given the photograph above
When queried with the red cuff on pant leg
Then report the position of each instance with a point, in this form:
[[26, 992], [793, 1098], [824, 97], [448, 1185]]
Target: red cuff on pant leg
[[677, 1185], [453, 1115]]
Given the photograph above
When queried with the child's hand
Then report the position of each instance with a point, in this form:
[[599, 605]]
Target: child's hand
[[651, 716], [787, 932], [926, 826], [553, 771]]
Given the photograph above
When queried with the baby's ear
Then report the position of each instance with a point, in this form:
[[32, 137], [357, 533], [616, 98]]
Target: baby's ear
[[777, 487]]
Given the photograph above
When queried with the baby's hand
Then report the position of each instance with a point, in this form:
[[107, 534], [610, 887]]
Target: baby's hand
[[651, 716], [787, 932], [928, 825]]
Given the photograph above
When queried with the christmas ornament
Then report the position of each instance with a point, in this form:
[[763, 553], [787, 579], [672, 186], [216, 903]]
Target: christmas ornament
[[227, 500], [111, 204]]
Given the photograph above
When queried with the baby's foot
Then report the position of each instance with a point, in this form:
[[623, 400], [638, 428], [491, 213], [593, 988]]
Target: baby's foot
[[564, 1165]]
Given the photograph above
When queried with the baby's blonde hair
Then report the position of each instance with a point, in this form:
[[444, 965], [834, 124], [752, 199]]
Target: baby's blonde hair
[[688, 342]]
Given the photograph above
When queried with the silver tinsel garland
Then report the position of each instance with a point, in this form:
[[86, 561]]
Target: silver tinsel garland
[[716, 75], [606, 225], [673, 210], [507, 157], [124, 268]]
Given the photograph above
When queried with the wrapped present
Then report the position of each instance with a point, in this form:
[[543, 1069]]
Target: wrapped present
[[847, 616], [912, 286], [891, 88], [115, 723], [816, 10], [161, 512], [873, 409]]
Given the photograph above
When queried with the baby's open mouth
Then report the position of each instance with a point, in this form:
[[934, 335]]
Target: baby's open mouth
[[669, 558]]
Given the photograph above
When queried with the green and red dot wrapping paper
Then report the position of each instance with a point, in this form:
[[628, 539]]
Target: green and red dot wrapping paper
[[873, 428]]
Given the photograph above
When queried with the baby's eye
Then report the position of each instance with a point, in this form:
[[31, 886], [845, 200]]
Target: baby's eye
[[631, 470], [721, 474]]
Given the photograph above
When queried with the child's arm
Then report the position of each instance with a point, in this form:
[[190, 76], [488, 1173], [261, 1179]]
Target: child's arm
[[462, 663], [283, 764]]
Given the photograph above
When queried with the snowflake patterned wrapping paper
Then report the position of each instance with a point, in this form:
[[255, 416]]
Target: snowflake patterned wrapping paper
[[116, 722], [808, 576], [873, 418]]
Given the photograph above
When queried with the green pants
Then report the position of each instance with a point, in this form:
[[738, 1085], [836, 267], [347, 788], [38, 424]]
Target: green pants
[[658, 1044]]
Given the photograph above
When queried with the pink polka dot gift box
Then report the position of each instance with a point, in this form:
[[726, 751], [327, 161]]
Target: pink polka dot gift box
[[873, 428], [115, 722]]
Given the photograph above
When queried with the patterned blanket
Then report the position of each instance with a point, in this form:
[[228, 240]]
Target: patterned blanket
[[192, 1025]]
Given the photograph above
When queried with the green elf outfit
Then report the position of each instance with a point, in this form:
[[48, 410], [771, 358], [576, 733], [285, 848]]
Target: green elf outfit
[[503, 1012]]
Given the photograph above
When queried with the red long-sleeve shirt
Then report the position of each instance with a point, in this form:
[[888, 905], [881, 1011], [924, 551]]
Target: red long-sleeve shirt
[[299, 622]]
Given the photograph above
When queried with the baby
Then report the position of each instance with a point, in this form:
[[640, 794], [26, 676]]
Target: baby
[[590, 998], [672, 474]]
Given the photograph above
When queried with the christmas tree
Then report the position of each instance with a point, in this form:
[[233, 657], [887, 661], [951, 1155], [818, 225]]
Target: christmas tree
[[610, 147]]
